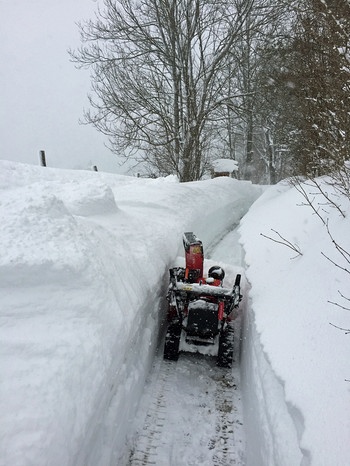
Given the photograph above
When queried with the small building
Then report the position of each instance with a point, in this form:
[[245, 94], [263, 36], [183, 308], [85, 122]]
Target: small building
[[224, 167]]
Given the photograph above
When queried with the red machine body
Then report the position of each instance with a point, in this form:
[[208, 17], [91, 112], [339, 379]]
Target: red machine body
[[200, 308], [194, 258]]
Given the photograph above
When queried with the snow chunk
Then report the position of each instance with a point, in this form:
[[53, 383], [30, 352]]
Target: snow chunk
[[89, 198]]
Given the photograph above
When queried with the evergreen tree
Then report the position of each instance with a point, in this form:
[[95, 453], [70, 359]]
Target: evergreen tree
[[320, 73]]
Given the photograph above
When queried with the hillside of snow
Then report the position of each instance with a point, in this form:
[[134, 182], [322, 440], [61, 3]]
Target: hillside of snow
[[83, 273]]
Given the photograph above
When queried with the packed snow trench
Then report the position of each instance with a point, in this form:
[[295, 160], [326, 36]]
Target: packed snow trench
[[191, 411], [83, 277]]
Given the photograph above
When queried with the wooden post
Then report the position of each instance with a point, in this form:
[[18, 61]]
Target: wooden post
[[42, 158]]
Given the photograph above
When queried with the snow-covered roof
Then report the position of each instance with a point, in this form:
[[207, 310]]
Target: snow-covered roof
[[225, 165]]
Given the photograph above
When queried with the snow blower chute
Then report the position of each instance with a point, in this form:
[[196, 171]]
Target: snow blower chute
[[200, 308]]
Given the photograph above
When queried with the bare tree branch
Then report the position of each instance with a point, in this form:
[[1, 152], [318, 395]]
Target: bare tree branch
[[346, 330], [284, 242], [160, 75]]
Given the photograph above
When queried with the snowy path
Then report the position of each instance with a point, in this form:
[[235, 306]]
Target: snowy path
[[190, 414], [191, 411]]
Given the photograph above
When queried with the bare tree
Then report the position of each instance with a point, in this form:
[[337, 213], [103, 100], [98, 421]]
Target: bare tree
[[159, 77], [323, 195], [258, 58]]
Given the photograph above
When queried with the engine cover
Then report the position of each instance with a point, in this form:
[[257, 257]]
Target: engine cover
[[202, 319]]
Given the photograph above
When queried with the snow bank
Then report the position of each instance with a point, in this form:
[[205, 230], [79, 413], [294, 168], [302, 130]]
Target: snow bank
[[81, 271], [296, 363], [82, 282]]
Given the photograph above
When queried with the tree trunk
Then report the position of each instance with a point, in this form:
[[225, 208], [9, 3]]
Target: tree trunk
[[270, 156]]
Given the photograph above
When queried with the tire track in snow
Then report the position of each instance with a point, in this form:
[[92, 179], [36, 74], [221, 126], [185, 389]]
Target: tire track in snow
[[228, 425], [192, 415], [148, 440]]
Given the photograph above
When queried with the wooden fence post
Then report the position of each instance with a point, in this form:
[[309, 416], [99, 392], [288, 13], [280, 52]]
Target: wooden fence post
[[42, 158]]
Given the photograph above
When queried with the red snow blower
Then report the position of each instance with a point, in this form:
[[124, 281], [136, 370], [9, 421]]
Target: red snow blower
[[200, 308]]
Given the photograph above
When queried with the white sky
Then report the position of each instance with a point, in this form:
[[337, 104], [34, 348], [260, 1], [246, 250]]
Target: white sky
[[42, 94]]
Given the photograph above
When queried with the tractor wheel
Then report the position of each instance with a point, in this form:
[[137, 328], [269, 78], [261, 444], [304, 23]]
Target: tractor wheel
[[225, 351], [172, 341]]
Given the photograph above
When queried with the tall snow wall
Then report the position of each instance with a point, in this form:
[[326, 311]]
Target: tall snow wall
[[271, 435], [271, 424], [83, 277], [294, 362]]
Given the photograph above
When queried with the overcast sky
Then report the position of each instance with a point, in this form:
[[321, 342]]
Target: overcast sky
[[42, 94]]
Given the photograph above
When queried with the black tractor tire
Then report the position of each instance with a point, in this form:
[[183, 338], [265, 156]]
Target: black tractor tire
[[225, 350], [172, 341]]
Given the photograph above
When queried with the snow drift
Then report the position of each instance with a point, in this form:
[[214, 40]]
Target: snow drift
[[296, 363], [84, 255]]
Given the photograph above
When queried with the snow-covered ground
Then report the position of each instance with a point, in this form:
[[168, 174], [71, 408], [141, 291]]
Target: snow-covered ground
[[83, 277], [191, 411], [296, 362], [190, 414]]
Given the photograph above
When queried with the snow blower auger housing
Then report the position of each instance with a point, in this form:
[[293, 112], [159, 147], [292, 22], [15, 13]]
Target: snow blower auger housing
[[199, 308]]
